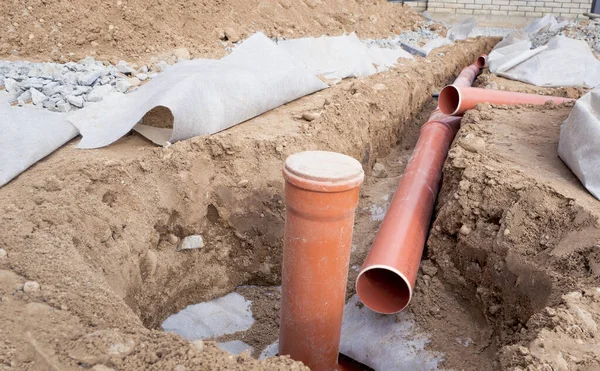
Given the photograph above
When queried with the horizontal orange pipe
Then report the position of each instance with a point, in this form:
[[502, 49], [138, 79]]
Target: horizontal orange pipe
[[386, 281], [456, 100]]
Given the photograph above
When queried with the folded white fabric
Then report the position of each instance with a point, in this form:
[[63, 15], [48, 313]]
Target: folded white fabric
[[28, 135], [204, 96], [579, 142], [548, 65], [339, 57]]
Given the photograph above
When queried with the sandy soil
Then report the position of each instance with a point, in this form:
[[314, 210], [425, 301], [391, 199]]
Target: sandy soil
[[137, 29], [510, 278], [517, 236], [98, 230]]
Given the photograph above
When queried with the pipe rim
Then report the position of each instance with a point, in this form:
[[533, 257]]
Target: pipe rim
[[323, 171], [371, 304], [450, 100], [480, 61]]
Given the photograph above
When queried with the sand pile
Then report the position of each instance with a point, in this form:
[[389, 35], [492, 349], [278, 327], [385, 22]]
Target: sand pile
[[129, 29]]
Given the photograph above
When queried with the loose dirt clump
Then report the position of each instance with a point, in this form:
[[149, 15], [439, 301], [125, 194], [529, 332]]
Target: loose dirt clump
[[518, 237], [131, 29]]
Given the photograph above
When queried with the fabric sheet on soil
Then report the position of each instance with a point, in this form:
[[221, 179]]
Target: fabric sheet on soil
[[204, 96]]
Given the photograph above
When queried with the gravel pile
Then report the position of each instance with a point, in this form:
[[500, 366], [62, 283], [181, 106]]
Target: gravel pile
[[588, 31], [426, 32], [491, 31], [65, 87]]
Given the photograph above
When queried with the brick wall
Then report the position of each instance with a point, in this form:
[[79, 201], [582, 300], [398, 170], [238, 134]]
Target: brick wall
[[417, 5], [515, 8]]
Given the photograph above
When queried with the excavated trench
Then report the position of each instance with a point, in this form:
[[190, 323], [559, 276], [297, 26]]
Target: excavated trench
[[101, 234]]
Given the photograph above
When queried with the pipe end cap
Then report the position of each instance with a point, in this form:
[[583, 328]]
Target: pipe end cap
[[323, 166]]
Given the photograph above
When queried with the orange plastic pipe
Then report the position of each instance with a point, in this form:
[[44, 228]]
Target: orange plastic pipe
[[456, 100], [321, 194], [386, 281]]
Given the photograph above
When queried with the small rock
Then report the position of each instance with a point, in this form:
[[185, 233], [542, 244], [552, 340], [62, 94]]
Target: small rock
[[31, 286], [37, 97], [11, 86], [160, 66], [75, 101], [429, 269], [198, 344], [495, 308], [63, 107], [182, 53], [473, 144], [134, 81], [123, 85], [88, 61], [142, 76], [309, 116], [99, 93], [379, 86], [148, 264], [506, 232], [124, 68], [465, 230], [101, 368], [279, 148], [89, 78], [173, 240], [24, 97], [243, 183], [191, 242], [143, 69], [82, 90], [523, 351], [3, 254], [379, 171], [231, 35]]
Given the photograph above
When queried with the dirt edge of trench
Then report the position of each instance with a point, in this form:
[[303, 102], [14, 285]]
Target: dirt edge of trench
[[518, 238], [99, 229]]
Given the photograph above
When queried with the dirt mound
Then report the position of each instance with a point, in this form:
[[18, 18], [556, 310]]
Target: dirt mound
[[518, 237], [130, 29]]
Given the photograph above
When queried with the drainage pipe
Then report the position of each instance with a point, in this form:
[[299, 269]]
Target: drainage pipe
[[387, 278], [321, 194], [456, 100]]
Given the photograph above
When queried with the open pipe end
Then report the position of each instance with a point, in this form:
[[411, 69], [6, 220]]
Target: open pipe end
[[383, 289], [480, 62], [449, 100]]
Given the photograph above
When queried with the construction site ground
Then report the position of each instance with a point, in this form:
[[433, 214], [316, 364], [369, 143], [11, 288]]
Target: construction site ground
[[510, 277]]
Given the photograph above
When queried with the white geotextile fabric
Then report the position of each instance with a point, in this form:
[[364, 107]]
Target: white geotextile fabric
[[225, 315], [458, 32], [562, 62], [204, 96], [544, 24], [380, 341], [579, 142], [28, 135], [339, 57]]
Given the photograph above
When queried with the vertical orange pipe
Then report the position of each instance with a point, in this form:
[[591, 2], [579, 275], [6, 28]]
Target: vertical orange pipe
[[321, 194], [386, 281]]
